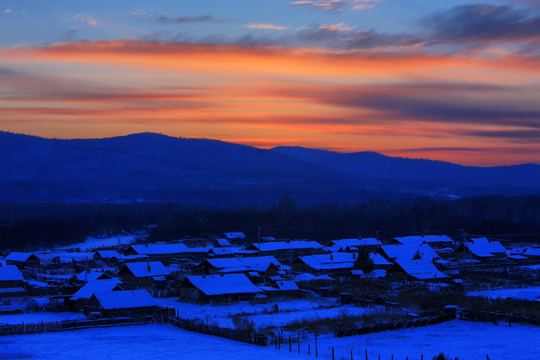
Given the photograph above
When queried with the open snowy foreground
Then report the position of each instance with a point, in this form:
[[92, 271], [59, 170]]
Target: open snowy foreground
[[38, 317], [133, 342], [262, 314], [463, 339], [532, 293]]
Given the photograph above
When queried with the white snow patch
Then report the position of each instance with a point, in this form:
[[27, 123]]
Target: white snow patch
[[532, 293]]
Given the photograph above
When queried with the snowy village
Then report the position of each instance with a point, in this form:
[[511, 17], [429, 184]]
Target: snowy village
[[293, 298]]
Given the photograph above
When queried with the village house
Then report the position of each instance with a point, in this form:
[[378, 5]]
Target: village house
[[91, 275], [108, 256], [223, 287], [416, 270], [336, 263], [148, 275], [409, 251], [121, 303], [164, 251], [23, 260], [11, 282], [81, 297], [223, 251], [297, 247], [235, 236], [348, 245], [262, 265], [434, 241], [481, 249]]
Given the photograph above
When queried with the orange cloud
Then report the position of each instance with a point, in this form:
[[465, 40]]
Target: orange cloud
[[267, 96]]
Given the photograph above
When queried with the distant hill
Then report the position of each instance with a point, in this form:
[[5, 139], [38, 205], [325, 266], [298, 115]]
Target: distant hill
[[157, 168], [378, 165]]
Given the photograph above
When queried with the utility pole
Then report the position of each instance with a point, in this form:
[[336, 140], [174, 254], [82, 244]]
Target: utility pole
[[259, 237]]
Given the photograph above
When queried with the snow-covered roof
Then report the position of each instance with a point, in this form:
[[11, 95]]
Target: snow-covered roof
[[89, 275], [159, 249], [285, 245], [125, 299], [223, 284], [333, 261], [430, 239], [528, 251], [268, 238], [224, 250], [108, 254], [10, 273], [409, 251], [287, 285], [18, 256], [255, 263], [235, 235], [96, 286], [343, 244], [483, 247], [145, 269], [378, 259], [421, 269], [223, 242], [63, 256]]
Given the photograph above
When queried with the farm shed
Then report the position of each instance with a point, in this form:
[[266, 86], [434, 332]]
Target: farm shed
[[217, 288], [121, 303], [416, 270], [22, 260], [144, 274], [482, 249]]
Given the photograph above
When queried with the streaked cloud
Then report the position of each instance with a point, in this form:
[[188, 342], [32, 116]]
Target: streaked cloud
[[382, 100], [187, 19], [337, 27], [337, 4], [265, 26], [483, 24], [140, 12], [89, 19]]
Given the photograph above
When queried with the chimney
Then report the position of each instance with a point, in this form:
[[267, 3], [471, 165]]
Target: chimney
[[148, 267]]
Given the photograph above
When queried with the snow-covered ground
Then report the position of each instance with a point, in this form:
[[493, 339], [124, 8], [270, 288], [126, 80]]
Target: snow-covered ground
[[466, 340], [93, 243], [261, 314], [532, 293], [462, 339], [38, 317], [143, 342]]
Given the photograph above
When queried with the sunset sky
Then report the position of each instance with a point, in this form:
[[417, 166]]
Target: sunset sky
[[447, 80]]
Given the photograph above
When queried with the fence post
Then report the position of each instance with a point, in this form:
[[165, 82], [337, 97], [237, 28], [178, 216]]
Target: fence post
[[366, 355], [316, 346], [290, 345], [333, 357], [309, 349], [298, 342]]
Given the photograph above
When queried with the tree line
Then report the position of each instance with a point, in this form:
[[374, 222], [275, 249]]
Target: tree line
[[25, 227]]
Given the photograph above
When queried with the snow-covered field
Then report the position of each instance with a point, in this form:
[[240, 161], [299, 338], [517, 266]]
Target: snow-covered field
[[463, 339], [532, 293], [261, 315], [38, 317], [466, 340], [133, 342], [93, 243]]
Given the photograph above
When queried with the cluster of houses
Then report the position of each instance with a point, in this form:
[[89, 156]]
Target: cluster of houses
[[112, 282]]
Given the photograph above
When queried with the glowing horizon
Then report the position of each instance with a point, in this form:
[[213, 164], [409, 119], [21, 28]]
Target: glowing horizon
[[464, 97]]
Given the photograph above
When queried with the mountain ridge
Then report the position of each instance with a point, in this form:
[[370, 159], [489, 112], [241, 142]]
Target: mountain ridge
[[159, 168]]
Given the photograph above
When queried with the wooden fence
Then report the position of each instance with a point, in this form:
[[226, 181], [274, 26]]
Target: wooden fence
[[41, 327], [243, 335], [494, 317], [395, 325]]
